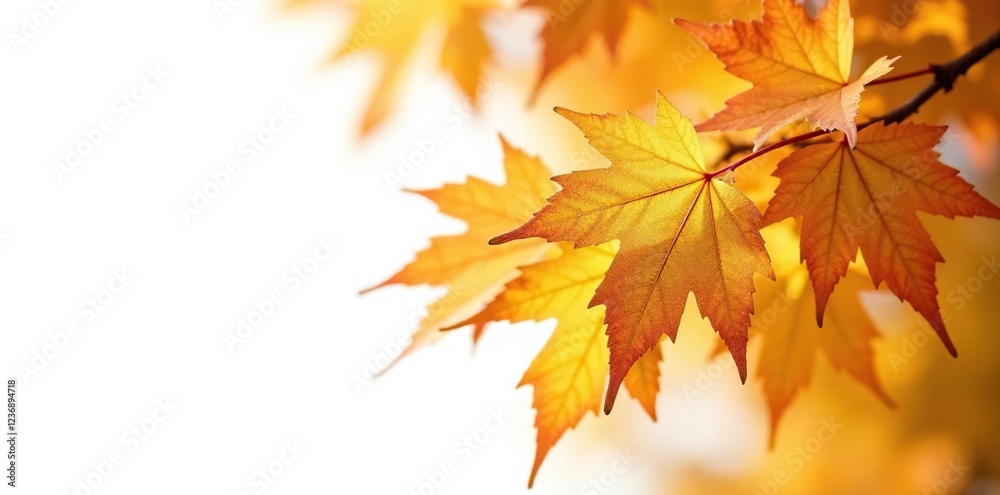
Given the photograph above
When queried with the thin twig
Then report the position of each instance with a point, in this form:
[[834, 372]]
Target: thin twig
[[768, 148], [900, 77]]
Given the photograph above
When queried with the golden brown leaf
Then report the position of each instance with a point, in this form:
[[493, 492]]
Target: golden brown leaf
[[472, 270], [681, 231]]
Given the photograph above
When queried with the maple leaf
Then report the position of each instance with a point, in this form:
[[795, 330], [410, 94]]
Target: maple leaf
[[569, 373], [792, 339], [867, 198], [394, 29], [472, 270], [570, 25], [681, 231], [799, 68], [643, 380], [466, 51]]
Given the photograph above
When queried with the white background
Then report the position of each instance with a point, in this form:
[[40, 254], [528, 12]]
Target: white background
[[161, 338]]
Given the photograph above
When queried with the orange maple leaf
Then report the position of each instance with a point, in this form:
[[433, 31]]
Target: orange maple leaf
[[681, 231], [868, 198], [570, 25], [792, 340], [799, 68], [643, 380], [472, 270], [569, 373]]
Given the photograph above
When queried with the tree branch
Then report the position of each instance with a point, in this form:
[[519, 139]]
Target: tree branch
[[944, 78]]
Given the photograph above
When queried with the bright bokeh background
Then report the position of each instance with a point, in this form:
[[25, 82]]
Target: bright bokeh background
[[295, 379]]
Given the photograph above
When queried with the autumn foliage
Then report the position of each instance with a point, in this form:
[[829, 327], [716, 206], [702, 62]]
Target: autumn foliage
[[614, 253]]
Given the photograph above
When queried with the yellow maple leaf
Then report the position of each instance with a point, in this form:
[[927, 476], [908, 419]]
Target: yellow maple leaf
[[394, 29], [681, 231], [867, 198], [472, 270], [569, 373], [799, 68], [466, 50]]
